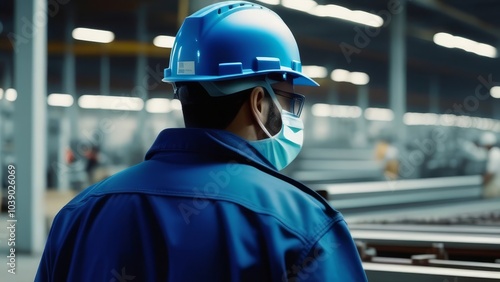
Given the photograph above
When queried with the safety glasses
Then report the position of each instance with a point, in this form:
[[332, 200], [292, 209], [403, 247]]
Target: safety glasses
[[290, 102]]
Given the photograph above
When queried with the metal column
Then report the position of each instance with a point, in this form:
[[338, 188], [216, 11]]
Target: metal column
[[30, 78], [137, 146], [141, 88], [69, 73], [6, 83], [363, 104], [105, 74], [496, 109], [397, 72], [69, 128], [434, 95]]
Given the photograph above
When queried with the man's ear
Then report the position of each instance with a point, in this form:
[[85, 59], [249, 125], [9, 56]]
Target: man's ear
[[258, 104]]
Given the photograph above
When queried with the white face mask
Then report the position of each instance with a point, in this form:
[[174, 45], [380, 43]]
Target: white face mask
[[281, 149]]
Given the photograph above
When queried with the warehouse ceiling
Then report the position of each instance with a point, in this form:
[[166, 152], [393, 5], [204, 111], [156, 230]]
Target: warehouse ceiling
[[322, 41]]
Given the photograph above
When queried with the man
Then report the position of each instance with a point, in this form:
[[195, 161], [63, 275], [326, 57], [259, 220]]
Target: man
[[208, 203], [491, 177]]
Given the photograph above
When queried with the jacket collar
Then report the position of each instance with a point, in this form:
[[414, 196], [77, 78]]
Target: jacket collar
[[220, 144]]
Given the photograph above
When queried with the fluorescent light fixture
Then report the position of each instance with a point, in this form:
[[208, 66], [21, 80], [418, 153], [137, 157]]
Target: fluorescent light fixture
[[379, 114], [420, 119], [321, 110], [339, 12], [450, 41], [111, 102], [164, 41], [342, 111], [93, 35], [175, 105], [358, 78], [301, 5], [10, 94], [60, 100], [315, 71], [485, 123], [270, 2], [447, 119], [158, 105], [451, 120], [495, 92], [464, 121], [340, 75], [336, 111], [1, 93]]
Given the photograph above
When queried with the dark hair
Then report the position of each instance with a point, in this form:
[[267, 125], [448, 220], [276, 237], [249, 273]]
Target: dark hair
[[204, 111]]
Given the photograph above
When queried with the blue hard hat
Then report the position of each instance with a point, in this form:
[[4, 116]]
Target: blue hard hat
[[232, 40]]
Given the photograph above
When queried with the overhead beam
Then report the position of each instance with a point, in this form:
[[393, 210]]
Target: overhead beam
[[115, 48], [452, 12]]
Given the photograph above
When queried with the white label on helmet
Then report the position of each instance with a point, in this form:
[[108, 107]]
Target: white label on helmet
[[186, 67]]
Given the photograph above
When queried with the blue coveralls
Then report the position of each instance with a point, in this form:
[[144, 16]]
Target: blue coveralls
[[203, 206]]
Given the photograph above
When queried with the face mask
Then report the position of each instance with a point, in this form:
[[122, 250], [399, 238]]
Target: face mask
[[281, 149]]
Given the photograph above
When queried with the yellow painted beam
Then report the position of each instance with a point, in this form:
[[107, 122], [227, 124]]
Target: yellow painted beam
[[115, 48]]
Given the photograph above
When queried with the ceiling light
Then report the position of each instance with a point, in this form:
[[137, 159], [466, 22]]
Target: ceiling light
[[420, 118], [164, 41], [315, 71], [60, 100], [93, 35], [302, 5], [450, 41], [10, 94], [343, 13], [340, 75], [270, 2], [342, 111], [111, 102], [358, 78], [495, 92], [175, 105], [321, 110], [379, 114], [158, 105]]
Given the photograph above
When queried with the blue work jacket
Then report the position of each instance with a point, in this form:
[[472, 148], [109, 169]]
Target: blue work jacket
[[203, 206]]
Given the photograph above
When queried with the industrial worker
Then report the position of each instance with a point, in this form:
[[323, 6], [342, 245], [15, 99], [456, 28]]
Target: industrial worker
[[208, 203], [491, 176]]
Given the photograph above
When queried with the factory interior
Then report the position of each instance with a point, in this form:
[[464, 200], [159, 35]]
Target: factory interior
[[397, 137]]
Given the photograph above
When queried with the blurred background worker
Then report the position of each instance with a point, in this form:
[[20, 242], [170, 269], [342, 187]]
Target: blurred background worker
[[209, 204], [387, 153], [491, 176]]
